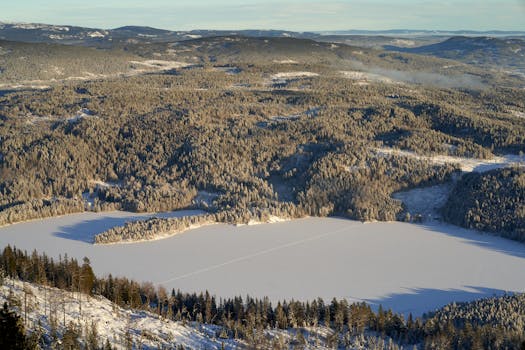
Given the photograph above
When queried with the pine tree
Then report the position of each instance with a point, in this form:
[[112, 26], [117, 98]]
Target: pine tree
[[87, 277], [70, 339], [12, 335]]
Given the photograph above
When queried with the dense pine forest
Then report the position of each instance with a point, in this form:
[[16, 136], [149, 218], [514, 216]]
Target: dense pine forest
[[263, 127], [495, 323], [494, 201]]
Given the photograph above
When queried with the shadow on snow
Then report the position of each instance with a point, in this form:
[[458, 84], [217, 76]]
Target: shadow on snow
[[481, 239], [417, 301], [86, 230]]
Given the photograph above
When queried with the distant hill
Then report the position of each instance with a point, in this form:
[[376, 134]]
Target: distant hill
[[502, 52], [72, 35], [412, 32]]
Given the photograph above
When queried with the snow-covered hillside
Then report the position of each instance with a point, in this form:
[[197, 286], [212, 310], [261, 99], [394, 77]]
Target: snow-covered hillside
[[46, 310], [147, 331]]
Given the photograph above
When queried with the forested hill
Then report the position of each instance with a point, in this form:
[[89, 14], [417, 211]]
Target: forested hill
[[260, 126], [494, 201]]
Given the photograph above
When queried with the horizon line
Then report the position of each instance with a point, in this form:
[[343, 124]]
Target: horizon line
[[276, 29]]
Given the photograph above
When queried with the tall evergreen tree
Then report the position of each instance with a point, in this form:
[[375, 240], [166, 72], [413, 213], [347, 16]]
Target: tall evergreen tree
[[12, 335]]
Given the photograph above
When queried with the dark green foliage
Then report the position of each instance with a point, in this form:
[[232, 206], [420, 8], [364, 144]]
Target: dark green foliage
[[492, 201], [12, 334], [70, 339], [39, 208]]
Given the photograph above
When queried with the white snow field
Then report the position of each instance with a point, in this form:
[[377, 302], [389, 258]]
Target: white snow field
[[406, 267]]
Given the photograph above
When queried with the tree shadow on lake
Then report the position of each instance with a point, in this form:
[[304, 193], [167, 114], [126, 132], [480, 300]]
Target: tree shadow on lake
[[86, 230], [417, 301], [484, 240]]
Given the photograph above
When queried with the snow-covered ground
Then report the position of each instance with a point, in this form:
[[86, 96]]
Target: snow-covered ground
[[364, 78], [81, 114], [293, 75], [285, 77], [518, 114], [286, 61], [406, 267], [112, 322], [425, 201], [466, 164], [158, 65], [403, 42]]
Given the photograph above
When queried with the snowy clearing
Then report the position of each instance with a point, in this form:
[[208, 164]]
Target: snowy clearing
[[293, 75], [403, 42], [466, 164], [287, 61], [158, 65], [81, 114], [406, 267], [365, 77], [284, 78], [425, 201], [518, 114]]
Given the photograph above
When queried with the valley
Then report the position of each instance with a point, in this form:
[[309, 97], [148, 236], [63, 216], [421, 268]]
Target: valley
[[384, 170]]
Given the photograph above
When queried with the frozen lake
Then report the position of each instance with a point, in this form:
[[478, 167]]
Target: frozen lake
[[406, 267]]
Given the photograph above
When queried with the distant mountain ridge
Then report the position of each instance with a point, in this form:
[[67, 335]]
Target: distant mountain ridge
[[424, 32], [67, 34], [501, 52]]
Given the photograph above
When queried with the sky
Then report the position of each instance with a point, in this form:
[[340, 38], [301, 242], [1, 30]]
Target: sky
[[297, 15]]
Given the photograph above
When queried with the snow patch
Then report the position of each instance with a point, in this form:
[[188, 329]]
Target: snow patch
[[81, 114], [56, 37], [424, 203], [403, 42], [159, 64], [366, 78], [205, 199], [287, 61], [284, 78], [95, 34], [294, 75], [518, 114]]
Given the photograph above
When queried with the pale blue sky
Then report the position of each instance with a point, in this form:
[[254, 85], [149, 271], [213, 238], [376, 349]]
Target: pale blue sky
[[284, 14]]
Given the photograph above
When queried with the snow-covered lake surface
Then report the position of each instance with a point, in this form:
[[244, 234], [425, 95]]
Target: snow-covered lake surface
[[406, 267]]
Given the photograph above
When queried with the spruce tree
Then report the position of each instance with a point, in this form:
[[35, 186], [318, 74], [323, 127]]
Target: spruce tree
[[12, 335]]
